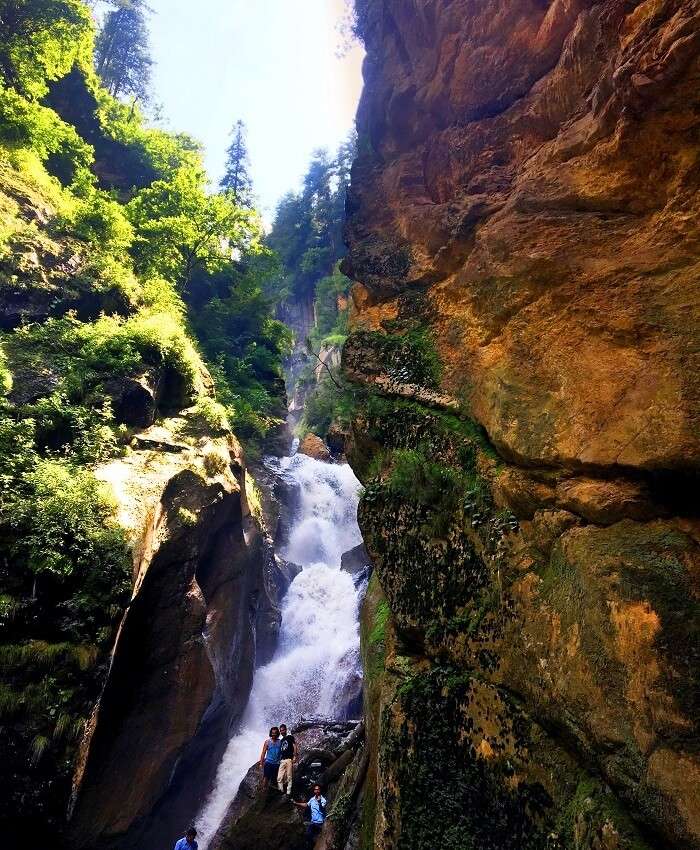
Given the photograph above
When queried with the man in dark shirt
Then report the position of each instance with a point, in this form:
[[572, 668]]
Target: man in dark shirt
[[288, 760]]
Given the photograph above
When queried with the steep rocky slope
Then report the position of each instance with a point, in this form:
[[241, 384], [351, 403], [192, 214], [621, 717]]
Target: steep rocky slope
[[149, 650], [183, 662], [524, 233]]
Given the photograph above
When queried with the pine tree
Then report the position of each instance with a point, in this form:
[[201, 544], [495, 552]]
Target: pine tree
[[307, 232], [237, 179], [122, 51]]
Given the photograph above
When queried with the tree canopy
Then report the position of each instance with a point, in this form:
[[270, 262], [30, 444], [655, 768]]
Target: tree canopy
[[40, 41], [307, 231]]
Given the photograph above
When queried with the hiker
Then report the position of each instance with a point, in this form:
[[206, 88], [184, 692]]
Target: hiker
[[188, 842], [270, 757], [288, 760], [317, 807]]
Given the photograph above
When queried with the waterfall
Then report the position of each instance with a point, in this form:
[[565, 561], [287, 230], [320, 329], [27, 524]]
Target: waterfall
[[318, 650]]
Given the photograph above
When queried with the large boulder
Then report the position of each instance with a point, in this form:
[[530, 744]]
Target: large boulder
[[270, 823], [330, 753], [183, 663], [314, 447], [357, 562], [280, 498]]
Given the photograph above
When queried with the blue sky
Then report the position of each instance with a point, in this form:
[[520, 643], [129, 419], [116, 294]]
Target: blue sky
[[272, 63]]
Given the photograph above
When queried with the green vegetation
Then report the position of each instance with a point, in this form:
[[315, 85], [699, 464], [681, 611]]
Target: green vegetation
[[329, 404], [407, 356], [237, 180], [123, 274], [331, 318], [381, 618], [376, 616], [592, 811], [375, 620], [432, 770], [242, 343], [307, 237], [307, 232], [428, 516], [430, 457]]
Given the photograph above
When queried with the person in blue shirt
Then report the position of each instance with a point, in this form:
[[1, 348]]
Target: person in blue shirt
[[270, 757], [317, 808], [188, 842]]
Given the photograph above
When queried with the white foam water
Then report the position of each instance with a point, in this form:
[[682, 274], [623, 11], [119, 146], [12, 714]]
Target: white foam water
[[318, 650]]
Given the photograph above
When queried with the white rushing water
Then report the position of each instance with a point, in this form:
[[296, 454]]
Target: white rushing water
[[318, 650]]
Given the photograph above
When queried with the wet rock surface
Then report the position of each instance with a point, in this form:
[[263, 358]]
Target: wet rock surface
[[357, 562], [280, 499], [330, 753]]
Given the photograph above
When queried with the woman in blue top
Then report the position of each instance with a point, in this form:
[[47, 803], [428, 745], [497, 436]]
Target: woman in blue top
[[270, 757]]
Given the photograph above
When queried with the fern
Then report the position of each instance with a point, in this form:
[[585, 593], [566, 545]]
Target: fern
[[38, 748]]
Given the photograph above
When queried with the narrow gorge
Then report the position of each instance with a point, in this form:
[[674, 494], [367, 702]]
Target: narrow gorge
[[411, 467]]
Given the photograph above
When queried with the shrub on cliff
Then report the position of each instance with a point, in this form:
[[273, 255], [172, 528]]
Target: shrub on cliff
[[41, 40], [67, 517], [104, 225], [63, 588]]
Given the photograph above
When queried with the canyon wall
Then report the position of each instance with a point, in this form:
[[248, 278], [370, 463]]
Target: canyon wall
[[523, 230], [183, 662]]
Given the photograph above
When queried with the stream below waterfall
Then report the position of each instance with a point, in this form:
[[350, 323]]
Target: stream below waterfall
[[318, 650]]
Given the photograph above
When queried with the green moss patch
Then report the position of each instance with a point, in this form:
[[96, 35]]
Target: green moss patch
[[440, 789], [427, 511], [594, 814], [408, 357]]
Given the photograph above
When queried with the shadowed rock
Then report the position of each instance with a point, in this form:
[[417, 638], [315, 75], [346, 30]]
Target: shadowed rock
[[258, 820]]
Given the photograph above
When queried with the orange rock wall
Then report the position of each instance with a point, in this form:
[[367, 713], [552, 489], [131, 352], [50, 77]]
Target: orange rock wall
[[526, 192], [535, 165]]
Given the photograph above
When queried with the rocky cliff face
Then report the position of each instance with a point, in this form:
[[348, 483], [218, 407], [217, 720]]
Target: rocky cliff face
[[183, 662], [299, 317], [524, 233], [129, 639]]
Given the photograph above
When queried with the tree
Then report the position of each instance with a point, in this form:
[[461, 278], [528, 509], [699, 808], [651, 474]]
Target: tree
[[181, 229], [237, 179], [341, 173], [40, 40], [122, 51], [307, 232]]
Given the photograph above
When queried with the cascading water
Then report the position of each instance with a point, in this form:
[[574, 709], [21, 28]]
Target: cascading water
[[318, 650]]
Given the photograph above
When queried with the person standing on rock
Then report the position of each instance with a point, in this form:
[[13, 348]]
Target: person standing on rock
[[317, 807], [288, 760], [270, 757], [189, 841]]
